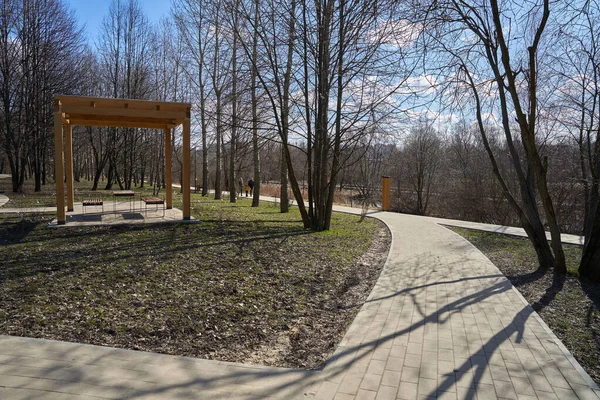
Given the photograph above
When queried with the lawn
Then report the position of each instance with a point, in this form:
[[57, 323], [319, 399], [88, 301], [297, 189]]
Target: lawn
[[244, 284], [570, 306]]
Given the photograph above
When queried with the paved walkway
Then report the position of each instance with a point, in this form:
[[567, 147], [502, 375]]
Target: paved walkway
[[478, 226], [507, 230], [441, 322]]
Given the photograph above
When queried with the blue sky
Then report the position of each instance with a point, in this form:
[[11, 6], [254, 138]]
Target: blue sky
[[91, 12]]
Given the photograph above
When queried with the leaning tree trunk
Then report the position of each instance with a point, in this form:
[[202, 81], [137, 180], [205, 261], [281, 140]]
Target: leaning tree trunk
[[590, 261]]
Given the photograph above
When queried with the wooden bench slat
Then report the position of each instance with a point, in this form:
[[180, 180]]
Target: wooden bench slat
[[152, 200], [93, 202]]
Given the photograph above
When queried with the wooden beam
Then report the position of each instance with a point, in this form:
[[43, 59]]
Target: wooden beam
[[121, 124], [168, 169], [61, 216], [128, 120], [69, 167], [122, 103], [185, 184], [92, 112]]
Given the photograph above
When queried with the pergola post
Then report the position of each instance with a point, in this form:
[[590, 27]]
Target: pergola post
[[186, 166], [61, 216], [385, 193], [168, 166], [69, 167]]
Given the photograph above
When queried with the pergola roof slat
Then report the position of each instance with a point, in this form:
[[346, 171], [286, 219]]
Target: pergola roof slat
[[120, 103], [120, 124], [126, 113]]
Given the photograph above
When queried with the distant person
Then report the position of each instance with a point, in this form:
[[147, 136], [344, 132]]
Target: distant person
[[251, 185], [247, 189], [241, 186]]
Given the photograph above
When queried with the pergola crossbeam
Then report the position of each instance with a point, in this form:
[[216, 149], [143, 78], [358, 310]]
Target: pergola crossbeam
[[116, 124], [122, 112]]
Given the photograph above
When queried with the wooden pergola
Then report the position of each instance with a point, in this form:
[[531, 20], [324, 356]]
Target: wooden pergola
[[93, 111]]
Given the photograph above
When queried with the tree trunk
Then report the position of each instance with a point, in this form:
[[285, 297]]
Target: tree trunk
[[232, 191], [590, 260], [218, 155], [255, 149], [284, 205]]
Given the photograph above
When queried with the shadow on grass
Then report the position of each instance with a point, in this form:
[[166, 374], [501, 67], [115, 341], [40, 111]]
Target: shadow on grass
[[17, 231], [558, 282], [70, 249]]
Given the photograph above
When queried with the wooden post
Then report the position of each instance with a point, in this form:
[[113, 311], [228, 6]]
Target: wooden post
[[385, 193], [168, 166], [69, 167], [186, 167], [61, 216]]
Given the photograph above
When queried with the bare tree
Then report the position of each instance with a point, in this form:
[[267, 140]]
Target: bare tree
[[576, 66], [509, 63], [40, 49], [422, 153]]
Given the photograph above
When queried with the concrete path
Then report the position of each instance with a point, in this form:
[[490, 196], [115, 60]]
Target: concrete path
[[507, 230], [27, 210], [478, 226], [3, 198], [441, 322]]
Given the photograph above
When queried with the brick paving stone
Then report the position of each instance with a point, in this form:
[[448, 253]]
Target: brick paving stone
[[343, 396], [371, 382], [412, 360], [540, 383], [365, 395], [387, 393], [407, 391], [427, 387], [410, 374], [391, 378], [376, 367], [327, 391], [350, 384], [505, 390], [394, 364]]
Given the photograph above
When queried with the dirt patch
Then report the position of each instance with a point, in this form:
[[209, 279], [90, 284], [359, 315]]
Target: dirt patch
[[310, 341], [569, 305]]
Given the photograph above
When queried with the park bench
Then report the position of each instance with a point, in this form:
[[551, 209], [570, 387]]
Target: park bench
[[153, 200], [92, 203]]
